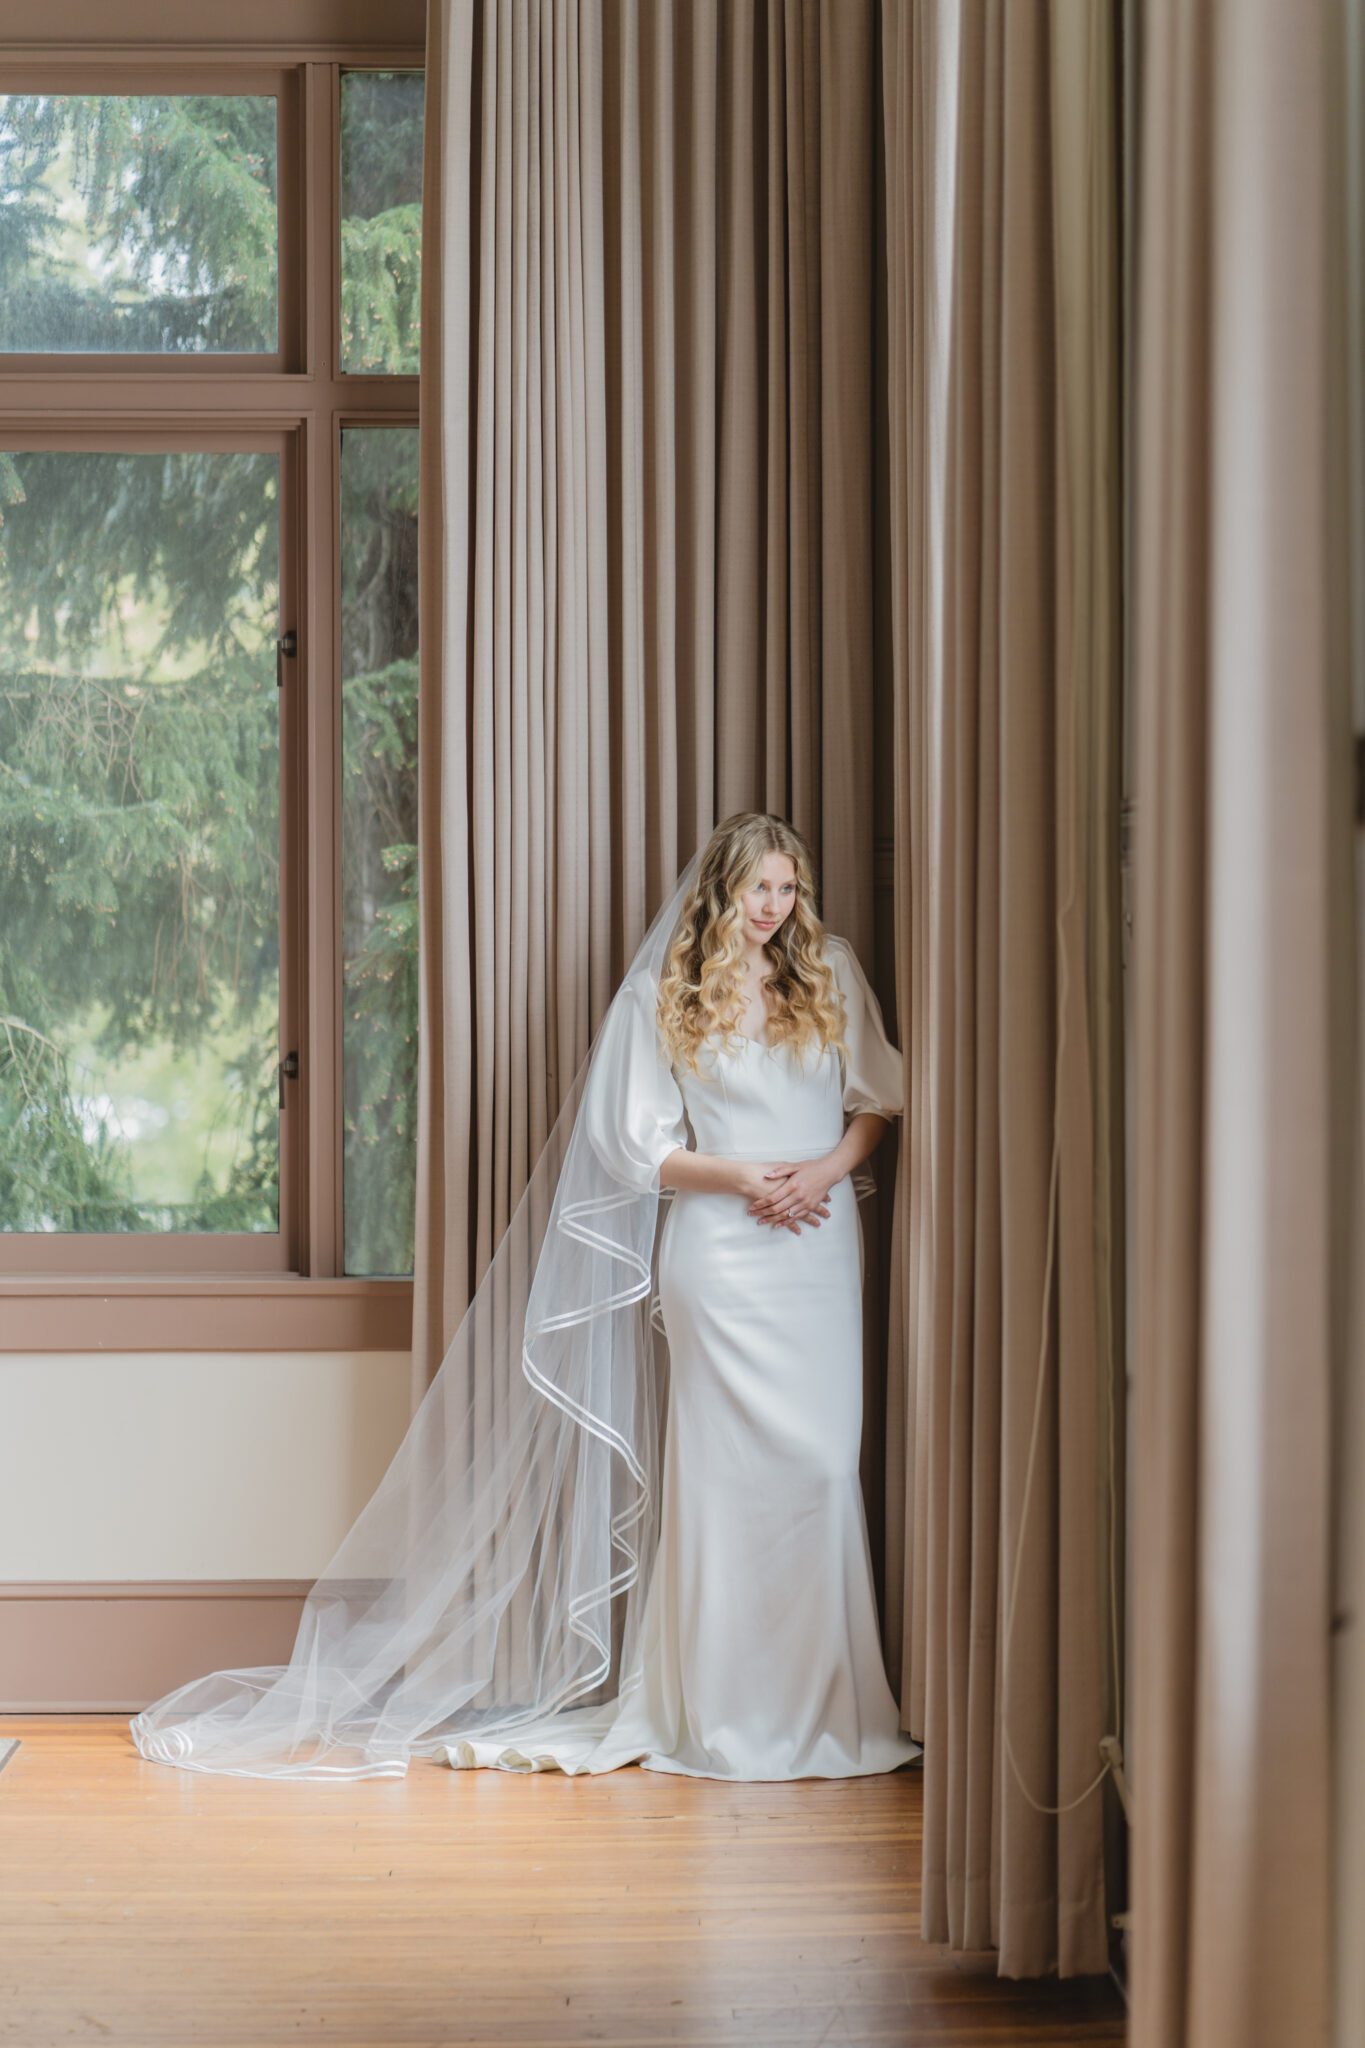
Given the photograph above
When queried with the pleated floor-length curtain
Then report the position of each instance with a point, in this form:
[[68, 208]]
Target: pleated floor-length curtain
[[1348, 1779], [1246, 1079], [646, 527], [1004, 1425]]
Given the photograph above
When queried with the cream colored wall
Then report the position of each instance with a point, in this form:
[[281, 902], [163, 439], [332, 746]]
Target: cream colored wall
[[209, 1465]]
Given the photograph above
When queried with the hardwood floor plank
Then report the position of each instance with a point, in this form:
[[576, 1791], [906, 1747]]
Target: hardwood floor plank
[[154, 1909]]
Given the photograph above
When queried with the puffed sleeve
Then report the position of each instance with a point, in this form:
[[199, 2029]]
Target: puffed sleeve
[[632, 1107], [873, 1079]]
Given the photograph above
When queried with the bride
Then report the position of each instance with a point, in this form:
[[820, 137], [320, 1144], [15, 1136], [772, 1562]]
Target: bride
[[526, 1589]]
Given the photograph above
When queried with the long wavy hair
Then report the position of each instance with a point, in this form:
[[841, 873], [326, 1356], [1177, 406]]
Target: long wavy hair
[[701, 990]]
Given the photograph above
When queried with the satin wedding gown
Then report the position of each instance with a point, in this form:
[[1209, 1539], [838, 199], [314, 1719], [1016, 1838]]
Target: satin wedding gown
[[759, 1654]]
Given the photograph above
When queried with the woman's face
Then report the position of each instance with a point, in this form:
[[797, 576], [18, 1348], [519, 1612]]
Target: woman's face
[[770, 900]]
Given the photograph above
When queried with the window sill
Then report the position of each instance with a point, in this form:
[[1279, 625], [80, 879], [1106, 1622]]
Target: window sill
[[202, 1312]]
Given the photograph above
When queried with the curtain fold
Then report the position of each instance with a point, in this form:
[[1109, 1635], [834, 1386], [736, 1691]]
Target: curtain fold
[[1245, 1067], [1348, 1785], [1002, 220], [647, 478]]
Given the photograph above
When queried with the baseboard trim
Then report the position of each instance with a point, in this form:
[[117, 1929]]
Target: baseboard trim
[[112, 1646]]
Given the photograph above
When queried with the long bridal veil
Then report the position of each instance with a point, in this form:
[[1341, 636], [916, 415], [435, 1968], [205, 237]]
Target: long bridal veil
[[498, 1573]]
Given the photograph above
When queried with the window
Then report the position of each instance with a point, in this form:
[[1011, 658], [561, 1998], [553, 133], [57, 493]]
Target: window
[[381, 219], [143, 222], [208, 697], [379, 844], [140, 811]]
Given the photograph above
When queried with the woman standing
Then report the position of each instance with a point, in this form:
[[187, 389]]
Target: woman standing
[[760, 1652]]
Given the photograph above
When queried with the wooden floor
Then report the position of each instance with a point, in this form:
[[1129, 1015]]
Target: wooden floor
[[149, 1906]]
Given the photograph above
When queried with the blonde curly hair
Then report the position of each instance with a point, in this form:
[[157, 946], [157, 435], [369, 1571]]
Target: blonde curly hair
[[701, 989]]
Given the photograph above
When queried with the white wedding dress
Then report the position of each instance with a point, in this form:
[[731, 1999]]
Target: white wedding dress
[[759, 1655]]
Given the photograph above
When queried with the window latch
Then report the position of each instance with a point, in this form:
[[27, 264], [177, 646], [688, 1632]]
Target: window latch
[[286, 647], [288, 1070]]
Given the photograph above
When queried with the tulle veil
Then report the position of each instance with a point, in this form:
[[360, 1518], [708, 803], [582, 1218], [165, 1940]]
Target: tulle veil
[[499, 1571]]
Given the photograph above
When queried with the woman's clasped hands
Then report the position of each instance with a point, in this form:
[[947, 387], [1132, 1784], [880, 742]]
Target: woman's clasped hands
[[786, 1193]]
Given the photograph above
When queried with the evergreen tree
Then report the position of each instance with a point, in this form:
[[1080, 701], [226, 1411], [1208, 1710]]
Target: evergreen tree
[[379, 825], [177, 196], [381, 220], [139, 768]]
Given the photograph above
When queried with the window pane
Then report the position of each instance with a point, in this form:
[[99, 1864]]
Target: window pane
[[143, 223], [379, 843], [139, 835], [381, 220]]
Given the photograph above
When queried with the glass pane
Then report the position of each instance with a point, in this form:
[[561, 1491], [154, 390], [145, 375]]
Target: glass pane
[[379, 843], [381, 220], [139, 836], [138, 223]]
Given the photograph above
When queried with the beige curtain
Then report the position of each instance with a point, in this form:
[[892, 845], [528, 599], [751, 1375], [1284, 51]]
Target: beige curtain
[[646, 526], [1004, 1443], [1245, 1076], [1348, 1781]]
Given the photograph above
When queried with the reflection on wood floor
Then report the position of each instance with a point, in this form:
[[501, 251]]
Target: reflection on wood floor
[[147, 1906]]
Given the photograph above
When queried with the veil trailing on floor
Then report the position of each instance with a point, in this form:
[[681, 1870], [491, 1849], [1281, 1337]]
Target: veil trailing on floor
[[498, 1574]]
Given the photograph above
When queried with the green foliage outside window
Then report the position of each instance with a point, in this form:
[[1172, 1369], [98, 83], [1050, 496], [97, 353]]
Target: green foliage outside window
[[139, 720], [139, 835], [381, 220], [138, 223], [379, 844]]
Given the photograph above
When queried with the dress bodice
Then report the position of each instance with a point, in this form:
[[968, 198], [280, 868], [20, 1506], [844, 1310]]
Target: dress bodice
[[747, 1099], [751, 1100]]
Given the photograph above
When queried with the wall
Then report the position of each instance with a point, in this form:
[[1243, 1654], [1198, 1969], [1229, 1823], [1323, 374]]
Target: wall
[[163, 1514], [202, 1466]]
